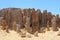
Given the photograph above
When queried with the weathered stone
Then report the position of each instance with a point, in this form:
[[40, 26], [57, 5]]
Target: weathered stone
[[27, 24], [22, 33], [3, 24], [57, 20], [42, 30], [14, 26], [7, 30], [35, 21], [36, 34], [54, 27], [58, 34]]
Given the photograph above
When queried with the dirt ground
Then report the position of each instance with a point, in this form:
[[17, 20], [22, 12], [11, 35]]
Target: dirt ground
[[48, 35]]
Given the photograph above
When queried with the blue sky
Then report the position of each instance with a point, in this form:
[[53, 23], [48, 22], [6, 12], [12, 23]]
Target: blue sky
[[50, 5]]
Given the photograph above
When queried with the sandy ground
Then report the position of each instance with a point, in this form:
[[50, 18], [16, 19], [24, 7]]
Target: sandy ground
[[49, 35]]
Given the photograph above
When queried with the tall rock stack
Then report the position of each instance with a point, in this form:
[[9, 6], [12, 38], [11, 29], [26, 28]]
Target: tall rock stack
[[35, 20], [45, 18], [49, 18], [40, 20], [54, 27], [10, 19], [57, 20], [1, 18], [7, 19], [28, 17], [20, 20], [14, 19], [24, 17], [4, 23], [39, 17], [32, 14]]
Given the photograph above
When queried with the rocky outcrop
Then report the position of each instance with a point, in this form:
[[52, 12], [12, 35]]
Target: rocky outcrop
[[30, 19]]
